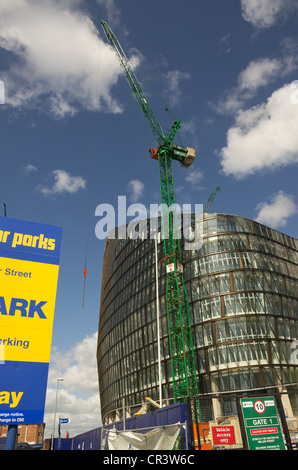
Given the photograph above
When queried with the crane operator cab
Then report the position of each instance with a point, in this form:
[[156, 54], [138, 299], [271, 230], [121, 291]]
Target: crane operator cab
[[185, 156]]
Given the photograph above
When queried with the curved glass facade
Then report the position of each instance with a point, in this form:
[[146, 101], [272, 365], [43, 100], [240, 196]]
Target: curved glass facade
[[243, 296]]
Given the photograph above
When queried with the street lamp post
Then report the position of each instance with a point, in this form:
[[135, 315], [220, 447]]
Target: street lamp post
[[158, 321], [53, 435]]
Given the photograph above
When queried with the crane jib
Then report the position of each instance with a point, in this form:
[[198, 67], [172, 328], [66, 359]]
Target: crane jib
[[135, 85]]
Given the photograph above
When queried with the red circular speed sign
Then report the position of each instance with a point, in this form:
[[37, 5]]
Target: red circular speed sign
[[259, 406]]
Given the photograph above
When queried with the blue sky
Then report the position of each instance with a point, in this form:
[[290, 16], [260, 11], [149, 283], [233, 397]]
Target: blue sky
[[72, 136]]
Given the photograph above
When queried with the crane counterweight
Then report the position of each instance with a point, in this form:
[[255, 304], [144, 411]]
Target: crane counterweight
[[185, 156], [190, 157]]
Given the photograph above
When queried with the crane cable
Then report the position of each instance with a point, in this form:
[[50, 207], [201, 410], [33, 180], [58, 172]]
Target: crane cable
[[90, 191], [154, 92], [145, 80]]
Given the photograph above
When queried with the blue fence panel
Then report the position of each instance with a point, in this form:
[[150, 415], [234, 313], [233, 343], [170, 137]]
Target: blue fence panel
[[64, 444], [91, 440]]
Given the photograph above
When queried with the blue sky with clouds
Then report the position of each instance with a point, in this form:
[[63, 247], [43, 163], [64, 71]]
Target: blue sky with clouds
[[72, 136]]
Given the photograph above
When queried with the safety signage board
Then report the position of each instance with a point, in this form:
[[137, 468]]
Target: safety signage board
[[223, 435], [262, 424], [29, 266]]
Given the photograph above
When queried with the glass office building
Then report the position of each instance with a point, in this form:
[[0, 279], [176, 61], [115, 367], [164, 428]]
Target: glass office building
[[243, 297]]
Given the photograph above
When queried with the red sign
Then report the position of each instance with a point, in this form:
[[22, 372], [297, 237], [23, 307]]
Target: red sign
[[223, 435], [263, 431]]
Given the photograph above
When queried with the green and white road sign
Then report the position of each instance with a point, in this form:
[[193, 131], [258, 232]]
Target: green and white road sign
[[262, 423]]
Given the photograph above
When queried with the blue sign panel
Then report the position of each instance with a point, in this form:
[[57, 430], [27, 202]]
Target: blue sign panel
[[31, 241], [23, 392], [64, 420]]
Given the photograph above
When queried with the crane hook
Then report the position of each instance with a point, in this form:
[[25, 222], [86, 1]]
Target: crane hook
[[85, 275]]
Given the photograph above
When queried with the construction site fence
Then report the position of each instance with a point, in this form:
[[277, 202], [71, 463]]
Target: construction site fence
[[199, 416], [96, 439]]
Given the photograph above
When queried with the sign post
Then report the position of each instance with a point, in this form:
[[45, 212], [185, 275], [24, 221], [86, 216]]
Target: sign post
[[61, 421], [262, 423], [29, 265]]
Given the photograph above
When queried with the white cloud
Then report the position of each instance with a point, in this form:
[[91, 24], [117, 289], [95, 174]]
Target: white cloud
[[278, 211], [63, 183], [84, 413], [257, 74], [263, 14], [194, 176], [29, 168], [173, 91], [225, 44], [264, 136], [77, 366], [78, 397], [59, 62], [113, 12], [136, 188]]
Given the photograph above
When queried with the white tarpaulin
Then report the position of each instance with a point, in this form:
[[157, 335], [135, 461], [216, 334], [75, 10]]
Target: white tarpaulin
[[162, 438]]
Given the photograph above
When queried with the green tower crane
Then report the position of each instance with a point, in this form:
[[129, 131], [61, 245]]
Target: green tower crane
[[210, 199], [184, 375]]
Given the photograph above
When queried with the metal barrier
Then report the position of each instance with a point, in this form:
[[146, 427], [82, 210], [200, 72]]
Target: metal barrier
[[172, 414], [224, 423]]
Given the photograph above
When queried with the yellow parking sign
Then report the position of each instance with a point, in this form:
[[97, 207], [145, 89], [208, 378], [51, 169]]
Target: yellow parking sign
[[29, 267]]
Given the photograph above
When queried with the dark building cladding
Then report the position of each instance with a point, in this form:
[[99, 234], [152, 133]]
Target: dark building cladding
[[243, 298]]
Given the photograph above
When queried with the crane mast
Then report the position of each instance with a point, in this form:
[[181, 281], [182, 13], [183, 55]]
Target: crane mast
[[179, 325]]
